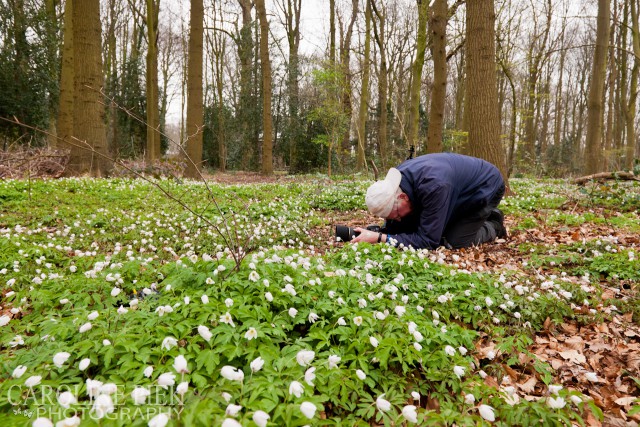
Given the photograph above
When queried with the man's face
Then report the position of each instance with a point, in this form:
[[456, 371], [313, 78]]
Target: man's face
[[401, 208]]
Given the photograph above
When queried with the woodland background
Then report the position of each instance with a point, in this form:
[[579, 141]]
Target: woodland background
[[545, 87]]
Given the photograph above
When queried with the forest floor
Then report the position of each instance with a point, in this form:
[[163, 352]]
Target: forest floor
[[610, 347], [554, 304]]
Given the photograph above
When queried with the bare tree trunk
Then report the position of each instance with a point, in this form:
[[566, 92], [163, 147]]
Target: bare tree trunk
[[291, 9], [65, 111], [379, 33], [461, 89], [596, 91], [111, 73], [52, 54], [439, 93], [246, 108], [153, 117], [332, 31], [345, 48], [609, 153], [416, 75], [364, 92], [621, 92], [481, 105], [545, 119], [88, 109], [559, 111], [195, 116], [218, 48], [633, 149], [265, 64]]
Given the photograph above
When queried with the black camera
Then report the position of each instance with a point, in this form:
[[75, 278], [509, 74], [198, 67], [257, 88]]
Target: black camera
[[346, 233]]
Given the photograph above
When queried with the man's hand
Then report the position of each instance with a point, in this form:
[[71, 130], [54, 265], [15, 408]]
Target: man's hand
[[368, 236]]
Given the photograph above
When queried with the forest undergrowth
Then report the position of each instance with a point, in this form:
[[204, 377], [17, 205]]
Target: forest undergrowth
[[121, 308]]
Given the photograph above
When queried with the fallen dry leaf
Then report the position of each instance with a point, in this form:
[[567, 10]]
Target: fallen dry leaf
[[529, 385], [626, 401], [573, 356]]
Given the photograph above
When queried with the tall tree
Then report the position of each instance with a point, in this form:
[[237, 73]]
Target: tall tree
[[218, 48], [345, 61], [265, 65], [416, 74], [596, 90], [329, 111], [439, 93], [89, 151], [481, 97], [633, 147], [195, 115], [363, 109], [65, 109], [536, 56], [332, 30], [383, 76], [153, 99], [246, 110], [53, 58], [291, 20]]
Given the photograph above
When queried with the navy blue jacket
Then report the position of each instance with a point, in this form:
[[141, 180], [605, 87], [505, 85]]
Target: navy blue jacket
[[442, 187]]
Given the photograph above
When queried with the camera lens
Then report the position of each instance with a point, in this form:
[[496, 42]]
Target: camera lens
[[346, 234]]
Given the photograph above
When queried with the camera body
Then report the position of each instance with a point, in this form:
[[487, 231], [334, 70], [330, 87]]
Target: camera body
[[346, 233]]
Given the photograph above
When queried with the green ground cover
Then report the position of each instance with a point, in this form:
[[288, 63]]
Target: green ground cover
[[121, 307]]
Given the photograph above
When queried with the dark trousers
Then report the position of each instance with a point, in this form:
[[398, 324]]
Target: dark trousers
[[472, 228]]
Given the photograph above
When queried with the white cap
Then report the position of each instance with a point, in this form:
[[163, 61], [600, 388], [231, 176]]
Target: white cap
[[381, 195]]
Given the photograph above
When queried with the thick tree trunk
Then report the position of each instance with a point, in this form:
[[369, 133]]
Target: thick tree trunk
[[265, 64], [65, 110], [596, 91], [195, 117], [439, 93], [89, 136], [481, 105], [416, 75]]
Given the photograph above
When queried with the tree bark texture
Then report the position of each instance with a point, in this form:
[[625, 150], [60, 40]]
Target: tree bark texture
[[416, 75], [481, 106], [265, 64], [633, 146], [195, 116], [383, 76], [89, 135], [345, 72], [65, 110], [247, 115], [439, 93], [152, 151], [292, 9], [363, 109], [595, 108]]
